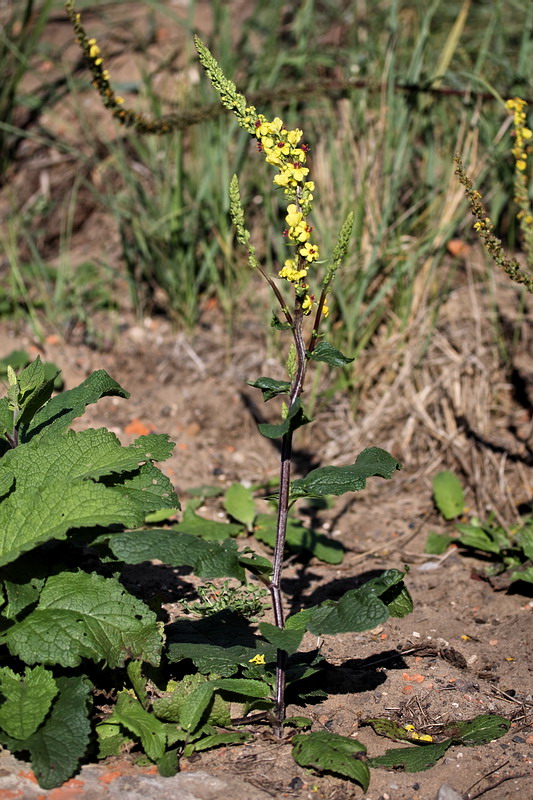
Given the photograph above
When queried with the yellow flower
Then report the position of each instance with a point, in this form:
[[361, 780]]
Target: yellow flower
[[294, 216], [284, 177], [293, 137], [521, 164], [258, 659], [309, 252], [307, 304]]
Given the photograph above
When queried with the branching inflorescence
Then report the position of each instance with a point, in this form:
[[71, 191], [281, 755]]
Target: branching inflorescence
[[484, 225]]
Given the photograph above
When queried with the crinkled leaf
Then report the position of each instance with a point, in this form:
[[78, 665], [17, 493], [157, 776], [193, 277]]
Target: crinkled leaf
[[243, 686], [270, 388], [195, 706], [398, 600], [324, 351], [148, 488], [75, 455], [6, 480], [58, 746], [34, 517], [299, 538], [170, 706], [206, 529], [337, 480], [145, 726], [331, 752], [283, 639], [294, 419], [481, 730], [448, 494], [85, 616], [359, 609], [411, 759], [27, 700], [59, 411], [240, 504], [208, 559], [6, 417], [20, 595]]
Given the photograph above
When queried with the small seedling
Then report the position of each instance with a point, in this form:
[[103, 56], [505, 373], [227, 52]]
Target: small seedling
[[512, 552]]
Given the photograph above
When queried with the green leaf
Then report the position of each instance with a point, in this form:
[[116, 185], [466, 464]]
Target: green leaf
[[478, 538], [240, 504], [29, 518], [138, 682], [448, 494], [218, 739], [299, 538], [278, 325], [481, 730], [6, 417], [283, 639], [243, 686], [330, 752], [161, 515], [411, 759], [206, 528], [17, 359], [148, 488], [219, 644], [337, 480], [524, 539], [522, 575], [359, 609], [271, 388], [294, 419], [111, 740], [6, 481], [437, 543], [58, 746], [298, 722], [85, 616], [27, 700], [195, 706], [20, 594], [208, 559], [56, 416], [324, 351], [168, 764], [145, 726]]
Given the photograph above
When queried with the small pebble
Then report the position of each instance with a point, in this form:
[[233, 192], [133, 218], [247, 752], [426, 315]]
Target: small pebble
[[519, 739]]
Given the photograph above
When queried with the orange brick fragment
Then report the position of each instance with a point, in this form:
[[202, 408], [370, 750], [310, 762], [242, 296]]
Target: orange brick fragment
[[139, 428], [407, 689], [71, 790]]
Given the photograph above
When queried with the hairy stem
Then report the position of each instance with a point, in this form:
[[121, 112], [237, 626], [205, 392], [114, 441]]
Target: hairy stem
[[281, 528]]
